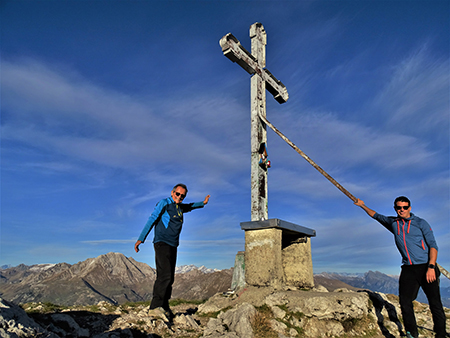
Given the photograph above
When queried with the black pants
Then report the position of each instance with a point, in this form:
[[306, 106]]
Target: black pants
[[166, 259], [412, 278]]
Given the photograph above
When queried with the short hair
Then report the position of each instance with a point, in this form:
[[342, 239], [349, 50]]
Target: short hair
[[180, 185], [402, 199]]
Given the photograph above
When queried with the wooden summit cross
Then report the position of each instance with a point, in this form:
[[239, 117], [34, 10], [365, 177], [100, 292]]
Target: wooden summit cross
[[254, 63]]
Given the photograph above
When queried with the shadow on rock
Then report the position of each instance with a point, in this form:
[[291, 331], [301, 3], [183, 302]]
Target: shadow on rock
[[379, 303], [74, 323], [85, 324]]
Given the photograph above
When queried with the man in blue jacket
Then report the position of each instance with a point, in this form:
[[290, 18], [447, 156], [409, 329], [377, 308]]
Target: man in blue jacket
[[167, 218], [416, 243]]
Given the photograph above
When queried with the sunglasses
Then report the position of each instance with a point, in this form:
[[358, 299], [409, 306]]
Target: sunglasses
[[400, 207], [181, 195]]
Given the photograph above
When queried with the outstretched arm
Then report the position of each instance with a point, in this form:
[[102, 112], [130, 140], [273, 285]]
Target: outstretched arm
[[361, 204]]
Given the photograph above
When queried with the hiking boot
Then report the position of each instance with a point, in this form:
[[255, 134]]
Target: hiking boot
[[159, 312], [169, 314]]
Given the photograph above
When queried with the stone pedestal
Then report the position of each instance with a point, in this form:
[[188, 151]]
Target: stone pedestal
[[238, 280], [278, 253]]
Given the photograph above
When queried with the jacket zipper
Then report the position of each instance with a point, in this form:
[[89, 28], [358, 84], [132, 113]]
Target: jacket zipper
[[404, 236]]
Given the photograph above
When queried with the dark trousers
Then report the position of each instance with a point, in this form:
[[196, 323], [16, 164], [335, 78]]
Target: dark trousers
[[166, 259], [412, 278]]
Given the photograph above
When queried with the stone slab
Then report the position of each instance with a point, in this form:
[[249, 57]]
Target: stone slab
[[279, 224]]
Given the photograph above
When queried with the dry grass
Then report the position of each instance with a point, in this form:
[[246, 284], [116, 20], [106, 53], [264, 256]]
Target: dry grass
[[261, 324]]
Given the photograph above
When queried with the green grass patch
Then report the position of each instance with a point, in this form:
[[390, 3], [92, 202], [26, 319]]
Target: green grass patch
[[265, 309], [94, 308], [175, 302], [133, 305], [46, 307], [214, 314]]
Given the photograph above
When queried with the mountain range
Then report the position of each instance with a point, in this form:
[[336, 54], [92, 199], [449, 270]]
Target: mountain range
[[187, 268], [111, 277], [118, 279]]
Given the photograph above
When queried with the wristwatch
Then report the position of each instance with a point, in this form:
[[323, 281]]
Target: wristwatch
[[431, 266]]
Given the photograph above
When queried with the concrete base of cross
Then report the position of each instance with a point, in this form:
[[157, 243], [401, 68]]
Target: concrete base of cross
[[278, 254]]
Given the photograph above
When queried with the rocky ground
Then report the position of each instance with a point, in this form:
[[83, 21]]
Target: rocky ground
[[249, 313]]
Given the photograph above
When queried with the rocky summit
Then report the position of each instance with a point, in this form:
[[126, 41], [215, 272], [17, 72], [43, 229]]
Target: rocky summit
[[248, 313], [108, 297]]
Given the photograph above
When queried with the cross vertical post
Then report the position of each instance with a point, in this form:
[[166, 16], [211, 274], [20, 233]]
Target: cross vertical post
[[258, 134], [254, 63]]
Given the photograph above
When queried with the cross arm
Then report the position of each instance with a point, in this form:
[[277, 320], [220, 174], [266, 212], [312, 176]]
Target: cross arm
[[233, 50], [275, 87]]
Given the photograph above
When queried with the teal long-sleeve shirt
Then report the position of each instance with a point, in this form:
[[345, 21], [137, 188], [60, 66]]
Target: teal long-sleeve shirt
[[167, 218], [413, 237]]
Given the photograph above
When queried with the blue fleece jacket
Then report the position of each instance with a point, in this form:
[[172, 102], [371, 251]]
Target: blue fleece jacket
[[167, 218], [413, 237]]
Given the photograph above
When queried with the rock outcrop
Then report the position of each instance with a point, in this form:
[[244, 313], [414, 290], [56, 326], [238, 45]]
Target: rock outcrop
[[249, 313], [14, 322]]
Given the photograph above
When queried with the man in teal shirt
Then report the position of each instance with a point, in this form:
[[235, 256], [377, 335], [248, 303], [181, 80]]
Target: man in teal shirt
[[167, 218], [416, 243]]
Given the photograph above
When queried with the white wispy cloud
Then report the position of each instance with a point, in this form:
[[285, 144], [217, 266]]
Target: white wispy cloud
[[416, 96], [77, 118], [110, 241]]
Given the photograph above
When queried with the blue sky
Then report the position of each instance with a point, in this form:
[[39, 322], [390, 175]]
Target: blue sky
[[105, 105]]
